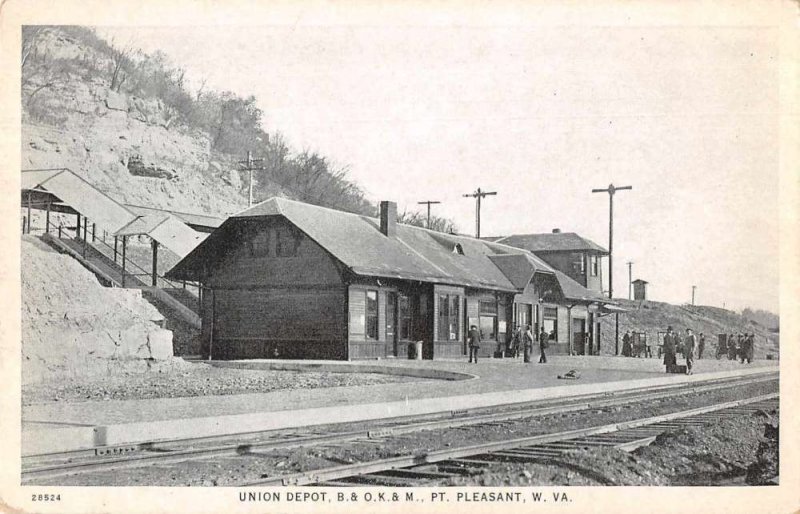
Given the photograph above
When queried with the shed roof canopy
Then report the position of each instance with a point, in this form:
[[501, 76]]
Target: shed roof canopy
[[110, 215]]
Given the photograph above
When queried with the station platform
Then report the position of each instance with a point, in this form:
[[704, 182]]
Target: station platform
[[442, 386]]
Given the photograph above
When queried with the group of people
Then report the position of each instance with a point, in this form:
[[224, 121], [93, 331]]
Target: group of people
[[634, 347], [523, 339], [739, 347], [673, 344]]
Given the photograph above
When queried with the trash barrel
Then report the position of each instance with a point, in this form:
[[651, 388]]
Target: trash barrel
[[415, 350]]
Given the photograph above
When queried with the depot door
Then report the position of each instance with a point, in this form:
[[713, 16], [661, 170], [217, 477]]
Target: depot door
[[578, 332]]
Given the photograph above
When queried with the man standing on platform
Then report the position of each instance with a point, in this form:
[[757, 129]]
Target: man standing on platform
[[688, 349], [701, 345], [474, 343], [670, 346], [527, 341]]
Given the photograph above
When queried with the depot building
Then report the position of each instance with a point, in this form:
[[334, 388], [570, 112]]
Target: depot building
[[286, 279]]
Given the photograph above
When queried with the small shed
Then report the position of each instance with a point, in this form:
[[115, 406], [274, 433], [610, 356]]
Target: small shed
[[639, 289]]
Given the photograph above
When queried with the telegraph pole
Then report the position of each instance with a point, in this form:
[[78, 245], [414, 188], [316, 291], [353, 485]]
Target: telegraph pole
[[611, 190], [693, 289], [250, 165], [429, 203], [630, 279], [477, 195]]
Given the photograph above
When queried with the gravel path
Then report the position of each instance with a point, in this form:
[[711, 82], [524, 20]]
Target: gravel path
[[194, 380]]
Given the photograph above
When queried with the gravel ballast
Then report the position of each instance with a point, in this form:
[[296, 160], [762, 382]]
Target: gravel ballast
[[263, 463], [195, 379]]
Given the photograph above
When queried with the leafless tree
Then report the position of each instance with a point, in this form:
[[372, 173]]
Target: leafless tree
[[30, 36], [121, 59]]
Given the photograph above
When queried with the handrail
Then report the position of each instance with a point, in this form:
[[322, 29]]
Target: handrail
[[94, 245]]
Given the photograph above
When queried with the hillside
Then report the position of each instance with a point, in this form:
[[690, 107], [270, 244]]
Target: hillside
[[653, 317], [125, 121], [67, 329]]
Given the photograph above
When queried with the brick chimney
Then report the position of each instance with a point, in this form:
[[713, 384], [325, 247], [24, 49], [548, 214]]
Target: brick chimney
[[388, 218], [556, 231]]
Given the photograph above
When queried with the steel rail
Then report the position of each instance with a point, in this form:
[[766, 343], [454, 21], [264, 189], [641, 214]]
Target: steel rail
[[164, 455], [538, 408], [433, 457]]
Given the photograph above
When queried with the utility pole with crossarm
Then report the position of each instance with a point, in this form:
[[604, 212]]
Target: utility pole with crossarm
[[251, 165], [611, 190], [477, 195], [429, 203]]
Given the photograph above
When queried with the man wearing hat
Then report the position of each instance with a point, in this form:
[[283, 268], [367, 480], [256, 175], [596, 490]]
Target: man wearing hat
[[670, 347], [688, 349], [474, 343]]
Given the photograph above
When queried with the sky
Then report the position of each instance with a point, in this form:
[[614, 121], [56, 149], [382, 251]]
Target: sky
[[687, 116]]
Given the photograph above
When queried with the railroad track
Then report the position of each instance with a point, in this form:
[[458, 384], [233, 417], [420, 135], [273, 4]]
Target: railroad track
[[175, 451], [419, 470]]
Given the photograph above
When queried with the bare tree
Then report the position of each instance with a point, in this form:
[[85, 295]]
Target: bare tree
[[30, 36], [121, 59]]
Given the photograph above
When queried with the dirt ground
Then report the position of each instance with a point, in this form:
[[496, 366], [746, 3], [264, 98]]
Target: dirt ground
[[711, 455], [191, 379]]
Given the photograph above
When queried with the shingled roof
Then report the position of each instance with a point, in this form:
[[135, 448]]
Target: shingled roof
[[576, 292], [414, 253], [552, 242]]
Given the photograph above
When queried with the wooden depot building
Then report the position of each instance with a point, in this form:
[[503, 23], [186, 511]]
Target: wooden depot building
[[286, 279]]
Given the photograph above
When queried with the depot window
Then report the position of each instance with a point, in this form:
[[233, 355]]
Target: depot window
[[448, 317], [487, 320], [550, 322], [594, 265], [259, 245], [371, 311], [404, 313]]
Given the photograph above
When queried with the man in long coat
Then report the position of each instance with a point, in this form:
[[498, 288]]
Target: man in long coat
[[670, 347]]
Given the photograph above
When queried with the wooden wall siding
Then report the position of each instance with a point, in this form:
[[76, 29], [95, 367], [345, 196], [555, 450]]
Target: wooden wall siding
[[311, 265], [562, 261], [563, 324], [260, 349], [278, 314], [448, 350]]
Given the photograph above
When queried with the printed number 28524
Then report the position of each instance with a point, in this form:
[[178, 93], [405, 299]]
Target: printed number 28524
[[46, 497]]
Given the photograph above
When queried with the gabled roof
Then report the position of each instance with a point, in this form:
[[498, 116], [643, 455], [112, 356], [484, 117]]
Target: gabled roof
[[576, 292], [356, 241], [639, 280], [553, 242]]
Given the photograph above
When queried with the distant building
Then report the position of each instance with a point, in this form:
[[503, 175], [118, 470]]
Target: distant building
[[573, 255], [578, 259], [640, 289], [286, 279]]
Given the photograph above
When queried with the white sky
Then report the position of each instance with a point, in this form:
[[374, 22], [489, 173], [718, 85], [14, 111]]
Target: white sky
[[687, 116]]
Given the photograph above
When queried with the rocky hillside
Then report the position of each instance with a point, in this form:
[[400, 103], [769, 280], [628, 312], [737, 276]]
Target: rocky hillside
[[126, 145], [67, 326], [125, 121], [653, 317]]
